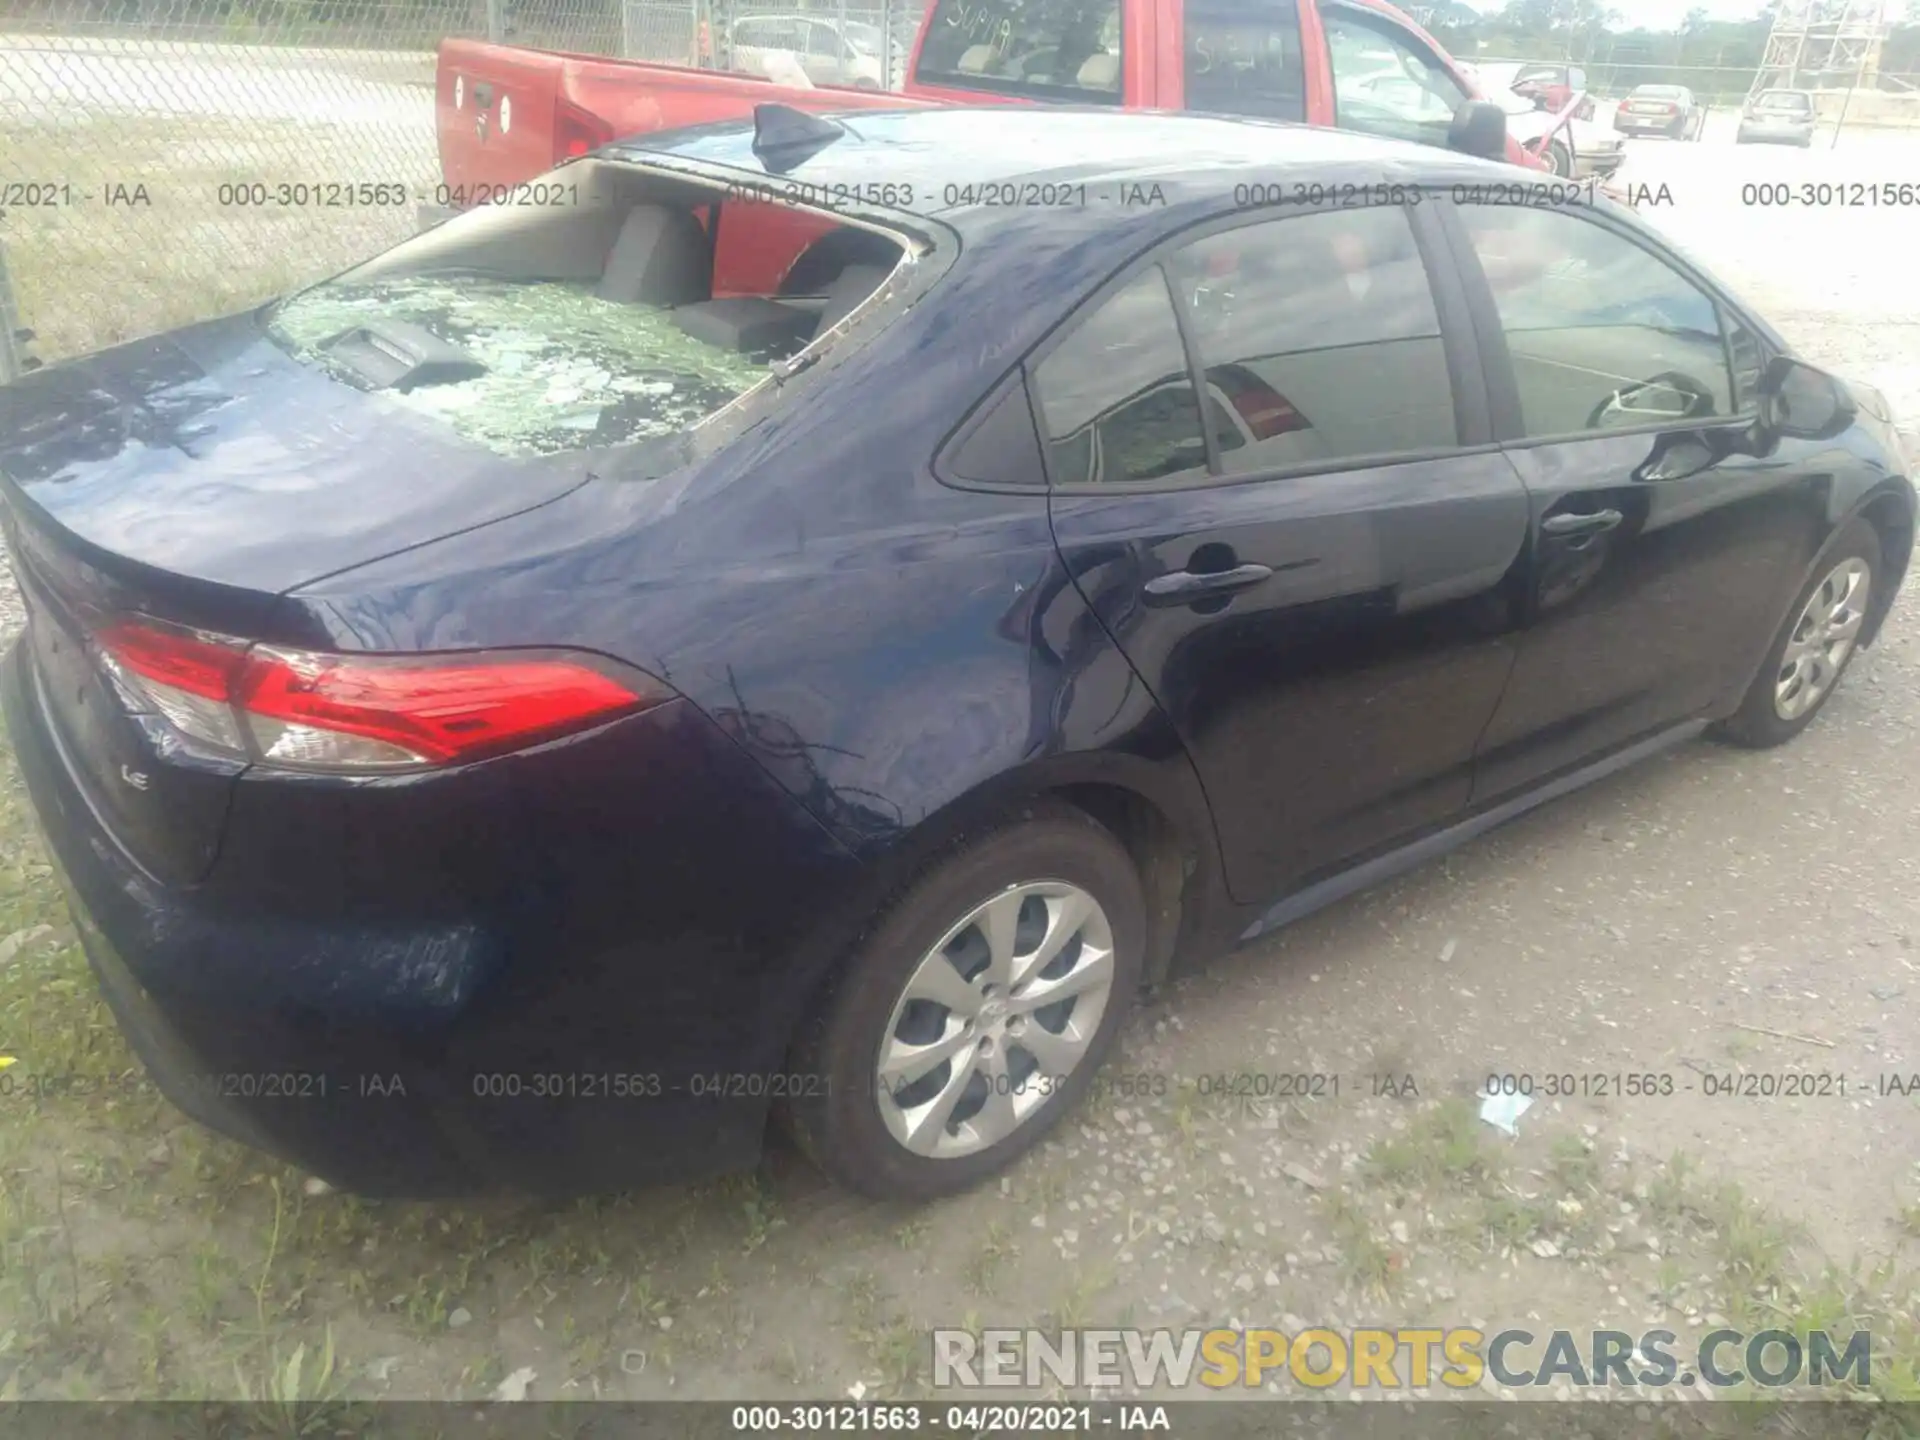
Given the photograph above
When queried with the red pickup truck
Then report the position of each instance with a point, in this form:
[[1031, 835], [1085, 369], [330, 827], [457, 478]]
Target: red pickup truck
[[506, 114]]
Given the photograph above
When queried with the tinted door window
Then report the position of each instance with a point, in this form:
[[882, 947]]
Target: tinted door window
[[1059, 49], [1319, 339], [1604, 335], [1243, 58], [1117, 398], [1385, 82]]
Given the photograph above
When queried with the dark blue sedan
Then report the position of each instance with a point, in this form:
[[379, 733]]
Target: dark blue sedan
[[529, 711]]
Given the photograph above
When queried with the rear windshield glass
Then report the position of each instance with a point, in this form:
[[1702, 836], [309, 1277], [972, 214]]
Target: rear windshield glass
[[1784, 100], [563, 369], [628, 317], [1053, 49], [1659, 92]]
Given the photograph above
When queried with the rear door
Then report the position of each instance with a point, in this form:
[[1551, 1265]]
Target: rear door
[[1661, 547], [1311, 580]]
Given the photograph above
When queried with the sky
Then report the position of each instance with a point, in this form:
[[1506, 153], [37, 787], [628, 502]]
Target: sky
[[1662, 14]]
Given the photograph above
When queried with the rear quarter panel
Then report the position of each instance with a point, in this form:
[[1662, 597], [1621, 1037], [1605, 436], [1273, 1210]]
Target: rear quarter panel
[[887, 647]]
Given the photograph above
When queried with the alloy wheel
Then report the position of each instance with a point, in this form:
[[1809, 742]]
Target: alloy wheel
[[1822, 638], [994, 1018]]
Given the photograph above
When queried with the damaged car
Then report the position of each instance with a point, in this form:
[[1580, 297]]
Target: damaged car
[[763, 634]]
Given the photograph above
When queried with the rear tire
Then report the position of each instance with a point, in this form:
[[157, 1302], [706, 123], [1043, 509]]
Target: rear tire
[[1559, 160], [1776, 708], [924, 980]]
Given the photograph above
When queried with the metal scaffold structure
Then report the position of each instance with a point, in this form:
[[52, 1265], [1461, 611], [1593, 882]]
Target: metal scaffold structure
[[1822, 44]]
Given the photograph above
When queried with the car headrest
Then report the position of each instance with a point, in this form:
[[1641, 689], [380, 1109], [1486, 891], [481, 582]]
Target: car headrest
[[975, 60], [853, 285], [1100, 72], [659, 258]]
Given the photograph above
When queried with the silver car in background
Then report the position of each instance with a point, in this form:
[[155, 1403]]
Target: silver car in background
[[1778, 117], [1670, 110], [830, 51]]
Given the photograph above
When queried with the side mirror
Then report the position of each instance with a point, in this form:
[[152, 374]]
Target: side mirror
[[1799, 401], [1479, 129]]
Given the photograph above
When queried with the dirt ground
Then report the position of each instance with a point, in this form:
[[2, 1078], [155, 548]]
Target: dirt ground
[[1714, 920]]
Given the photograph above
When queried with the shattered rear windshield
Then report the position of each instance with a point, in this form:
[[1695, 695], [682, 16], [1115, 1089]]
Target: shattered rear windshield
[[559, 367]]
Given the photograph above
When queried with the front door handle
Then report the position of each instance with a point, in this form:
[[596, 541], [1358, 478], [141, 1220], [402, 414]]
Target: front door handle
[[1562, 527], [1184, 587]]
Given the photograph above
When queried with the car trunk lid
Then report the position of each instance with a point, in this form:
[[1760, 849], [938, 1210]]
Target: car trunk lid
[[195, 478]]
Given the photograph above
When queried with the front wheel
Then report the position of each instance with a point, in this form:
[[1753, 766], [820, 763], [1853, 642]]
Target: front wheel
[[1559, 160], [975, 1014], [1814, 647]]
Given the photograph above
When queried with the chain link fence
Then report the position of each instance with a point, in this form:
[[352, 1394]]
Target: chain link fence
[[138, 137], [134, 133]]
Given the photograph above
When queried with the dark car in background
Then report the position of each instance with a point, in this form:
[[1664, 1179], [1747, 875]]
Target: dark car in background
[[507, 717], [1778, 117], [1670, 110]]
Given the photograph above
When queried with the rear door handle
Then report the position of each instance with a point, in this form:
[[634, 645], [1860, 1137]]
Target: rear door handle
[[1563, 526], [1183, 587]]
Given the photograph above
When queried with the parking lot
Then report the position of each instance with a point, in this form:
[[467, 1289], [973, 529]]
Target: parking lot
[[1711, 916]]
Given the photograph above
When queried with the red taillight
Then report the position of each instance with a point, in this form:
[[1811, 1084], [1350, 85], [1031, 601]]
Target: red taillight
[[184, 662], [353, 712], [577, 132]]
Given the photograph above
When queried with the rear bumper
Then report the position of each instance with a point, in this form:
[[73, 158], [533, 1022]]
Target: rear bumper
[[1774, 135], [612, 1021]]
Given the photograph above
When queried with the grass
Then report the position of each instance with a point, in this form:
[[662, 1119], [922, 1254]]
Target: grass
[[1365, 1260], [1441, 1146], [88, 274]]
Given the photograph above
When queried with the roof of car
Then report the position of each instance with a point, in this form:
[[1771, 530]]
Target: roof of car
[[942, 152]]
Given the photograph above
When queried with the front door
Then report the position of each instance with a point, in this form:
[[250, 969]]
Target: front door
[[1312, 581], [1660, 543]]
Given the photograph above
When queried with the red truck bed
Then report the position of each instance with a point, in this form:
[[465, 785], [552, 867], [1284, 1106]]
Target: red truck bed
[[506, 114]]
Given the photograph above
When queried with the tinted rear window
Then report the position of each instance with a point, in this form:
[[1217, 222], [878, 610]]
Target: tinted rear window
[[1243, 58], [1659, 92], [1784, 102], [1050, 49]]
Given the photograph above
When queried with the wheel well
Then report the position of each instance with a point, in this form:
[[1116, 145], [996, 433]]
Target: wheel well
[[1162, 857], [1892, 521]]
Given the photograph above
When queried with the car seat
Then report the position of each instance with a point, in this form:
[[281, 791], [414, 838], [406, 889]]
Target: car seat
[[660, 257]]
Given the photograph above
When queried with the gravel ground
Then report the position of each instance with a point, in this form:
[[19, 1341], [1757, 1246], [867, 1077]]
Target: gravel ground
[[1711, 914]]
